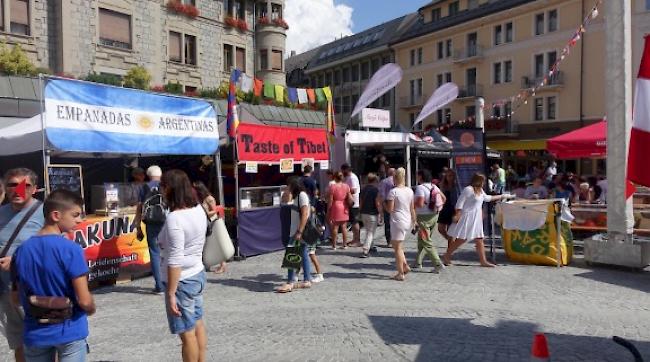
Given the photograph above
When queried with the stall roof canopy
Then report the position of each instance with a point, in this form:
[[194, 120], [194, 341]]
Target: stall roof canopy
[[19, 97], [364, 138], [276, 116], [590, 141]]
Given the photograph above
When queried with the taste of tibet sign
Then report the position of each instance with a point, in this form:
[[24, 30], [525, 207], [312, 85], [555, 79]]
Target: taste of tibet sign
[[271, 144]]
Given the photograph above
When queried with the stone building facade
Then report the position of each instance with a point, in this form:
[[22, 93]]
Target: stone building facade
[[197, 50]]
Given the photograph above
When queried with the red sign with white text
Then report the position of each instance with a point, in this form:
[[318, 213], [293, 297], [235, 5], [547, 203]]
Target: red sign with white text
[[271, 144]]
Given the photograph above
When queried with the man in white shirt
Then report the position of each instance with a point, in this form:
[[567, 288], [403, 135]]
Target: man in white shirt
[[355, 189], [427, 211], [551, 171]]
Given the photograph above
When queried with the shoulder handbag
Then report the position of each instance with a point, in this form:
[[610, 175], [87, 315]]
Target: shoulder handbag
[[19, 227], [313, 232]]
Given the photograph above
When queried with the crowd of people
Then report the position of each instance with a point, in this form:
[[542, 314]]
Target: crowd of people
[[44, 296]]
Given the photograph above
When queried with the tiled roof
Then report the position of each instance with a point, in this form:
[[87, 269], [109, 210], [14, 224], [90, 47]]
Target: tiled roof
[[278, 116], [300, 61]]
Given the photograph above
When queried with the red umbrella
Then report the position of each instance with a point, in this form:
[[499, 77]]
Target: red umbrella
[[590, 141]]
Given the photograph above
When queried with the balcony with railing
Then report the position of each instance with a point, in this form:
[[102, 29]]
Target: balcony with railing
[[554, 81], [501, 126], [468, 54], [412, 101], [470, 92]]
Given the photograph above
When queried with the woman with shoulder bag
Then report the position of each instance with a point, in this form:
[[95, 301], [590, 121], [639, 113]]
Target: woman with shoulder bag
[[338, 208], [300, 212], [210, 206]]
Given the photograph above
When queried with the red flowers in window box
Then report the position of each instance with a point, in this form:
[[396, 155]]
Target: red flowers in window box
[[191, 94], [158, 88], [231, 21], [281, 23], [242, 25], [263, 20], [178, 7]]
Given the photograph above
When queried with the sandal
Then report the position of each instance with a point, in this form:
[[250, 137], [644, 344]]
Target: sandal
[[286, 288], [303, 285], [398, 277]]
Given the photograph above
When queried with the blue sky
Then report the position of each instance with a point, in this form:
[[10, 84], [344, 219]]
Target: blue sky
[[368, 13]]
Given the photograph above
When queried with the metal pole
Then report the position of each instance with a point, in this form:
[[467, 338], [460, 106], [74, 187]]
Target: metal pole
[[558, 230], [217, 163], [46, 154], [408, 165]]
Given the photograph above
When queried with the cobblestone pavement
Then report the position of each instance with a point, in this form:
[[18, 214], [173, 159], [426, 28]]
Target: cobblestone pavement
[[357, 314]]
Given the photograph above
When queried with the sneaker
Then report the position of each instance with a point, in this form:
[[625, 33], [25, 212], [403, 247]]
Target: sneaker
[[374, 250], [416, 267], [318, 278], [438, 269], [364, 255], [158, 291]]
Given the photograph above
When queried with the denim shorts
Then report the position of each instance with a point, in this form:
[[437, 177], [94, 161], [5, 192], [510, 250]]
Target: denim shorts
[[189, 298], [75, 351]]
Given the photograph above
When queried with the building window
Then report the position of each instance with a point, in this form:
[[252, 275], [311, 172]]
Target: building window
[[419, 55], [440, 80], [337, 77], [239, 10], [647, 5], [328, 79], [448, 77], [229, 5], [497, 73], [551, 58], [539, 66], [436, 14], [496, 111], [472, 44], [539, 109], [498, 33], [346, 104], [114, 29], [507, 109], [447, 115], [276, 11], [448, 48], [453, 8], [19, 15], [346, 75], [175, 46], [441, 53], [550, 108], [227, 58], [190, 89], [472, 4], [276, 60], [412, 57], [539, 24], [552, 21], [507, 71], [355, 73], [264, 62], [374, 66], [240, 59], [470, 111], [440, 117], [509, 33], [419, 94], [190, 49], [355, 99], [385, 60], [365, 70]]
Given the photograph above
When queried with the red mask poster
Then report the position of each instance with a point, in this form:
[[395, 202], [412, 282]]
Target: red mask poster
[[271, 144]]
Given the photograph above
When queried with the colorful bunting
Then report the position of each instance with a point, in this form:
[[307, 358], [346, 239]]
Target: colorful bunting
[[232, 119], [293, 95], [328, 93], [269, 90], [258, 84], [279, 93], [246, 83], [320, 95], [302, 96], [311, 94], [331, 124]]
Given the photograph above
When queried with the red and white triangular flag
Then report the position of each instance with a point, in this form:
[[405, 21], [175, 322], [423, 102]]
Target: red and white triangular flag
[[638, 170]]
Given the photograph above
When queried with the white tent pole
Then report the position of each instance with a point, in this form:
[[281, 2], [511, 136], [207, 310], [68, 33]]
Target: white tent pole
[[46, 154]]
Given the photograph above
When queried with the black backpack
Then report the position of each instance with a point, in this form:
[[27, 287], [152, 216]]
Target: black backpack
[[154, 209]]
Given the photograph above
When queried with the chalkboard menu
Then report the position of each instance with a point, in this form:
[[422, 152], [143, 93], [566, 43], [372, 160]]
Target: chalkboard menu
[[65, 177]]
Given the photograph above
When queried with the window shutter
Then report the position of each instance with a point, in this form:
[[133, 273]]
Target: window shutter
[[175, 46], [276, 60], [241, 59], [20, 12], [114, 26]]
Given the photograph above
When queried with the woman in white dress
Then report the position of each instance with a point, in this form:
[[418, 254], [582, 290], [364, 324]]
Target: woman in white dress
[[468, 221], [400, 205]]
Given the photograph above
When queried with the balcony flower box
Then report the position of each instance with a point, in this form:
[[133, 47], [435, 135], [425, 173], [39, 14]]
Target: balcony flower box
[[186, 9], [242, 25], [231, 21], [281, 23], [263, 20]]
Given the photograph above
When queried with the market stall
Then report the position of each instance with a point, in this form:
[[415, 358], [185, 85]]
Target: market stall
[[586, 142], [536, 232], [258, 147], [94, 121]]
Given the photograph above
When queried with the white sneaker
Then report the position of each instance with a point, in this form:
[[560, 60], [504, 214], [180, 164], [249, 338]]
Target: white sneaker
[[318, 278]]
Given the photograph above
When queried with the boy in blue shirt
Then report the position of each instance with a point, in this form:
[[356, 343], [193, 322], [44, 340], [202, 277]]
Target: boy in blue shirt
[[49, 265]]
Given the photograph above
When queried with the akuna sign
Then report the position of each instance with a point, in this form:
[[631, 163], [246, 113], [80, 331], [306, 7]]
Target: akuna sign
[[271, 144]]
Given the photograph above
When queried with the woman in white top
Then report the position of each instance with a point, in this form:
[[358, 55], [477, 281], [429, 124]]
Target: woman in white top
[[181, 243], [468, 221], [402, 220]]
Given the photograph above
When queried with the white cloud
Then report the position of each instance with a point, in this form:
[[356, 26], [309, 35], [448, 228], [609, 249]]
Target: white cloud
[[315, 22]]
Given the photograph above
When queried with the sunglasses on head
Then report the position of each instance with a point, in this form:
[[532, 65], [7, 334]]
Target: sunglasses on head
[[15, 184]]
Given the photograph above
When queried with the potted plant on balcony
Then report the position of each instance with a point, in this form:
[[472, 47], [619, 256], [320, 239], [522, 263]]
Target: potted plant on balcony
[[263, 20], [242, 25], [191, 11], [281, 23], [178, 7], [230, 21]]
